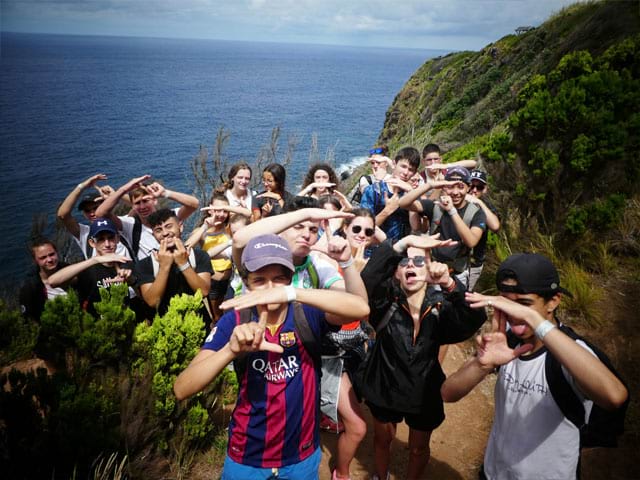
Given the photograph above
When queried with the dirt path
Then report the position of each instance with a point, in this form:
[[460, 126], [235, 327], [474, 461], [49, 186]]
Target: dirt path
[[457, 446]]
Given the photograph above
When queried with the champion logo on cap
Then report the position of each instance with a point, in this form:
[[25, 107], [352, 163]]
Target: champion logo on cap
[[266, 245]]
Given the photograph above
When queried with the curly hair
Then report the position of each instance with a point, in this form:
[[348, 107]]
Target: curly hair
[[333, 178]]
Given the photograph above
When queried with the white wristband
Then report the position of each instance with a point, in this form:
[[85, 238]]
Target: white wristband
[[453, 212], [81, 186], [291, 293], [346, 264], [182, 268], [544, 328], [165, 194]]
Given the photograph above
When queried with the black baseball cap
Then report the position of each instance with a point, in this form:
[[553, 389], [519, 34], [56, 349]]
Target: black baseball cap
[[534, 273], [479, 175], [89, 201]]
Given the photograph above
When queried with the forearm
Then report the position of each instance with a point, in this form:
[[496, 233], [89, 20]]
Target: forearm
[[152, 293], [239, 210], [215, 252], [196, 236], [467, 235], [66, 207], [275, 224], [408, 198], [108, 204], [202, 371], [459, 384], [196, 282], [340, 307], [353, 282], [189, 203], [468, 164], [493, 222], [67, 273]]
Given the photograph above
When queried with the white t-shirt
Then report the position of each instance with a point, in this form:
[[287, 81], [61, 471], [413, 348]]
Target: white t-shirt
[[531, 439], [235, 201]]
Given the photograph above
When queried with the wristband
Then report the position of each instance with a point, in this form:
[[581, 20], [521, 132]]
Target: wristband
[[81, 186], [291, 293], [401, 245], [346, 264], [451, 287], [165, 194], [182, 268], [453, 212], [544, 328]]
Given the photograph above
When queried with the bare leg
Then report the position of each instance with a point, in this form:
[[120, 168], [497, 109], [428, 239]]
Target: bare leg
[[355, 427], [419, 453], [383, 435]]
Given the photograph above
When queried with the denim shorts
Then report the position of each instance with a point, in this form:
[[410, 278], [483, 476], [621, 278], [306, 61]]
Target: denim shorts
[[304, 470]]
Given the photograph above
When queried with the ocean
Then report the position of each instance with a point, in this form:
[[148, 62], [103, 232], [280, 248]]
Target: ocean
[[73, 106]]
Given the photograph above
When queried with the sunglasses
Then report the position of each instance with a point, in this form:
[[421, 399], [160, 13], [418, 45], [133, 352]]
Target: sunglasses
[[367, 231], [418, 261], [478, 186], [374, 151]]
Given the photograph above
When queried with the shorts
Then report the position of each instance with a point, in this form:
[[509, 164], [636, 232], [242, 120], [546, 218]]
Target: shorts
[[218, 289], [416, 421], [307, 469]]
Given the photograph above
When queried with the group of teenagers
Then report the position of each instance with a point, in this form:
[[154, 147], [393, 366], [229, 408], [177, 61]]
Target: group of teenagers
[[324, 304]]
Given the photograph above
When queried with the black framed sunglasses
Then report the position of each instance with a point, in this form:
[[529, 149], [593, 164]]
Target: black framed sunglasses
[[418, 261], [375, 151], [478, 186], [367, 231]]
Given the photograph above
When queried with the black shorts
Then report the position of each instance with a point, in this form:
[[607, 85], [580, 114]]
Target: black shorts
[[218, 289], [416, 421]]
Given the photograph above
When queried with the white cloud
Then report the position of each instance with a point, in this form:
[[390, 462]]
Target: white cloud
[[447, 24]]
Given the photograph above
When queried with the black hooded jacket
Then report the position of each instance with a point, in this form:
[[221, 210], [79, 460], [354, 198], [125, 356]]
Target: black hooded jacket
[[402, 375]]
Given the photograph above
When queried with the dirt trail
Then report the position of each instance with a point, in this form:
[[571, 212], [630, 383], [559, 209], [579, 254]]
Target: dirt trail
[[457, 447]]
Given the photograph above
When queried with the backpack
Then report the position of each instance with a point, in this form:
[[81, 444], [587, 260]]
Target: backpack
[[308, 339], [602, 427], [357, 194], [461, 262]]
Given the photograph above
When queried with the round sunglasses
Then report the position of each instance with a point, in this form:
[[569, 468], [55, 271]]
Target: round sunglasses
[[418, 261], [368, 232]]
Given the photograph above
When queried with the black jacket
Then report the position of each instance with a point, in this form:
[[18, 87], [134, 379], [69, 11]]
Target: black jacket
[[33, 294], [400, 375]]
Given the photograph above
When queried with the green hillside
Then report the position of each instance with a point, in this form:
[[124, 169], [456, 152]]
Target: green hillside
[[552, 114]]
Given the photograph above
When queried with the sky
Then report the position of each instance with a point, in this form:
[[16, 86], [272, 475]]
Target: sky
[[423, 24]]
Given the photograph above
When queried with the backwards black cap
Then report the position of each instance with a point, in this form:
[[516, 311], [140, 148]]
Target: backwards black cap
[[533, 273]]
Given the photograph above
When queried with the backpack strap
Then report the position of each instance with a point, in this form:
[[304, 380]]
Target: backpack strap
[[435, 219], [387, 317], [135, 236]]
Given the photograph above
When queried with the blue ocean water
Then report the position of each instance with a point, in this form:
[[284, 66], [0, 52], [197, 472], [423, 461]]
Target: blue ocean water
[[73, 106]]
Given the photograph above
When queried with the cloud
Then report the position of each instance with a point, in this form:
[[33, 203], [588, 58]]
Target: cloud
[[449, 24]]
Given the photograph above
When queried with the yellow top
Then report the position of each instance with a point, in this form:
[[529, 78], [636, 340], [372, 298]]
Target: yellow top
[[211, 240]]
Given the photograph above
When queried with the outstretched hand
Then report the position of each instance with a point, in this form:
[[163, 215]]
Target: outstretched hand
[[336, 246], [256, 297]]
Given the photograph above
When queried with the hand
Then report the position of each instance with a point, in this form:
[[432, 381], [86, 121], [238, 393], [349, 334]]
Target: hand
[[359, 262], [180, 253], [446, 203], [437, 273], [504, 308], [249, 337], [91, 181], [266, 209], [275, 295], [163, 255], [319, 214], [135, 182], [424, 242], [398, 185], [493, 349], [272, 195], [391, 203], [437, 166], [336, 247], [105, 191], [321, 185], [156, 190]]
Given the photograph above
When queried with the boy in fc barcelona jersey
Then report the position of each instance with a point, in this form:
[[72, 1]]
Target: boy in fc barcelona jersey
[[274, 427]]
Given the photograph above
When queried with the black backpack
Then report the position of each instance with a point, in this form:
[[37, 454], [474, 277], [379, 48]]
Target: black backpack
[[357, 194], [308, 339], [603, 427]]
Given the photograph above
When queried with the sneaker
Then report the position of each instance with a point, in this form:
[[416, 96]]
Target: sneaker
[[334, 476], [330, 426]]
